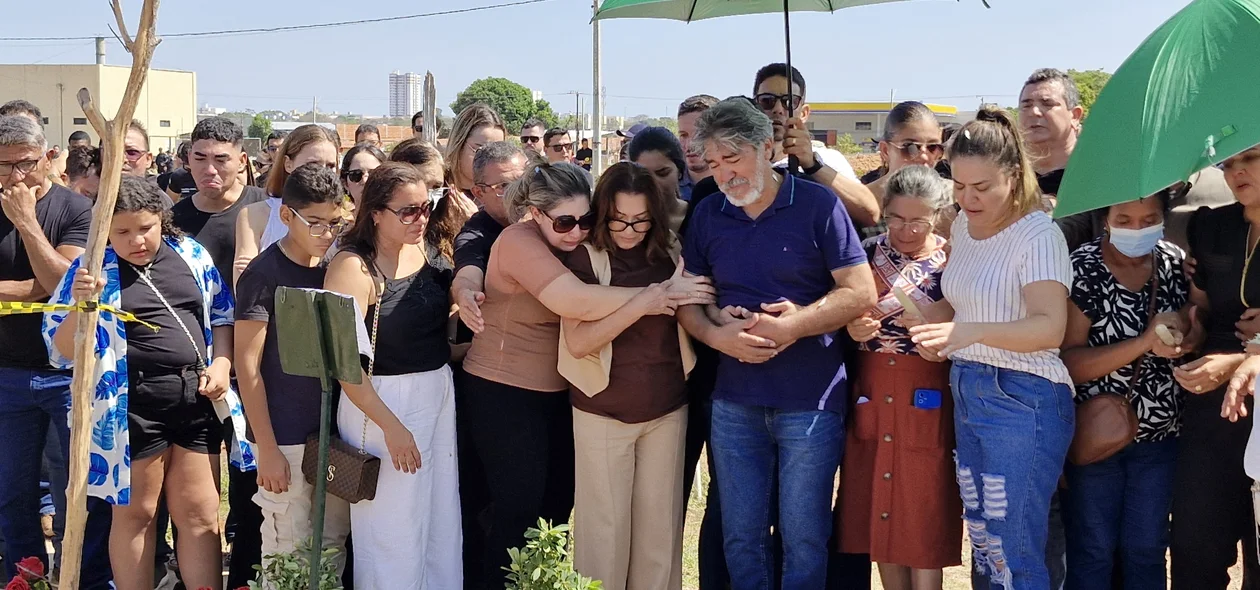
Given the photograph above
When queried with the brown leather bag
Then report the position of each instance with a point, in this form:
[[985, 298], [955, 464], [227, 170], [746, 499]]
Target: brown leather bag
[[352, 472], [1107, 422]]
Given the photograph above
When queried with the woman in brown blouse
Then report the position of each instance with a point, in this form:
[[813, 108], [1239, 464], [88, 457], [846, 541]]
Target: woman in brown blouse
[[630, 414], [518, 403], [899, 499]]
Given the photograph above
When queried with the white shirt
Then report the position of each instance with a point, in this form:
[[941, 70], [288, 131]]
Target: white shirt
[[984, 282], [831, 159]]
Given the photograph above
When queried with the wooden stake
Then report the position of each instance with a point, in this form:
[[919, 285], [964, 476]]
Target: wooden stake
[[428, 108], [113, 134]]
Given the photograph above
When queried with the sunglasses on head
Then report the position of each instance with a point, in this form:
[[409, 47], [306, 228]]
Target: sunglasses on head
[[911, 149], [355, 176], [565, 223], [767, 100]]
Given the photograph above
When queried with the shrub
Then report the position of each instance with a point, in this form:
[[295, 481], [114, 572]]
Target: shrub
[[546, 562], [292, 571]]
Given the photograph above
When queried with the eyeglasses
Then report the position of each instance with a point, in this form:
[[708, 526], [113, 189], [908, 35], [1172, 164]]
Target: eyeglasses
[[498, 188], [911, 149], [530, 139], [134, 154], [355, 176], [25, 167], [767, 100], [318, 230], [418, 128], [565, 223], [619, 225], [561, 148], [917, 227], [412, 213]]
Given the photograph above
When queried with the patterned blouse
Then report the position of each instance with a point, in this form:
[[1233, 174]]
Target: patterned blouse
[[109, 471], [919, 279], [1117, 314]]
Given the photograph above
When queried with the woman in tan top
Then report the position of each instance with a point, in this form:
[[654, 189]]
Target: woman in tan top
[[629, 420], [517, 402]]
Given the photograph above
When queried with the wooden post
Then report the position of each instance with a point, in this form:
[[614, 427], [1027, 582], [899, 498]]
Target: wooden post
[[428, 108], [113, 134]]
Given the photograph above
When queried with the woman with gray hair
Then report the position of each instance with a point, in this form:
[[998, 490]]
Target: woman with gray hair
[[899, 499]]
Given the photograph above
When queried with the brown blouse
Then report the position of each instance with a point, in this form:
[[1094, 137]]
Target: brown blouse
[[646, 380]]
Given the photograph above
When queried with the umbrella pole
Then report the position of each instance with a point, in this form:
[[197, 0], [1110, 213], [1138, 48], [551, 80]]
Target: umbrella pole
[[321, 482], [794, 165]]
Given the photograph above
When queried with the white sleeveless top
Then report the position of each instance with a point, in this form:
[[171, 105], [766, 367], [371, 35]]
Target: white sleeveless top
[[984, 280], [275, 228]]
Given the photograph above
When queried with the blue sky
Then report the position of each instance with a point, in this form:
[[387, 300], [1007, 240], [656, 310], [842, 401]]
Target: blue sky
[[943, 51]]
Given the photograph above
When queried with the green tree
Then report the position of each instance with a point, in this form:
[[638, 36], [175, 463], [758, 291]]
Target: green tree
[[1089, 83], [260, 127], [512, 101], [846, 145]]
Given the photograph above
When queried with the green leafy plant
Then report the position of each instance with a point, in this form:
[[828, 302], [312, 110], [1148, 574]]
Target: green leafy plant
[[546, 562], [292, 571]]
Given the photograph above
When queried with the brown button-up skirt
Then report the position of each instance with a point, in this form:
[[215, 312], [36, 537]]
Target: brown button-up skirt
[[898, 494]]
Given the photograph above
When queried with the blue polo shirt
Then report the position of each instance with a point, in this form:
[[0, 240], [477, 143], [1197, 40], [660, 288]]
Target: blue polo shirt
[[787, 253]]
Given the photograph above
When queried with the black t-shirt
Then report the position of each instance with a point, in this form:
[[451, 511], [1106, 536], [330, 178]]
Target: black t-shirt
[[292, 401], [412, 328], [168, 348], [584, 157], [472, 245], [65, 218], [216, 231], [1218, 242], [180, 181], [1079, 228]]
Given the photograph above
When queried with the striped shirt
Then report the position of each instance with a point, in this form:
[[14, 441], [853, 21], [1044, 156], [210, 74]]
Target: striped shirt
[[984, 280]]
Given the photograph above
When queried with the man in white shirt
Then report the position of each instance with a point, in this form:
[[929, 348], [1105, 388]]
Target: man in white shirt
[[820, 164]]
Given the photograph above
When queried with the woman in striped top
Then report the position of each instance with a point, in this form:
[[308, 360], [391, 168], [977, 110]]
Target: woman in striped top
[[1006, 290]]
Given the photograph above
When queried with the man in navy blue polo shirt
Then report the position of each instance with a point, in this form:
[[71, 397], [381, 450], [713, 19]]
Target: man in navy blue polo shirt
[[790, 272]]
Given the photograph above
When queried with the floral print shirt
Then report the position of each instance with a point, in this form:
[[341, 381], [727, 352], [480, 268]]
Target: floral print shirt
[[919, 279]]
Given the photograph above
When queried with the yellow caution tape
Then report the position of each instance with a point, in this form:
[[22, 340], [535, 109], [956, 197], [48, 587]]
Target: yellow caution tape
[[16, 307]]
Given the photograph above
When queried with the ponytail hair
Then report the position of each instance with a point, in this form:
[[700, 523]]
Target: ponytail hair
[[545, 187], [994, 136]]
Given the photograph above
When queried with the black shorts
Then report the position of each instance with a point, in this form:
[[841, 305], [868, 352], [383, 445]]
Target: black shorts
[[164, 409]]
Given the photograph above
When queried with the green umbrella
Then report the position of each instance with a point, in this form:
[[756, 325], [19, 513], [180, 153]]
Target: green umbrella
[[1186, 99]]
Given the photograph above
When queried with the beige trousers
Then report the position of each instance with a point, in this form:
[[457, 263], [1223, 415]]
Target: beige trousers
[[287, 517], [629, 504]]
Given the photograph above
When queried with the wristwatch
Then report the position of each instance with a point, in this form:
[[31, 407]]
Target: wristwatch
[[818, 165]]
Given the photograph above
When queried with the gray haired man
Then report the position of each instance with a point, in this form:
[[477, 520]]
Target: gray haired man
[[43, 227], [790, 273]]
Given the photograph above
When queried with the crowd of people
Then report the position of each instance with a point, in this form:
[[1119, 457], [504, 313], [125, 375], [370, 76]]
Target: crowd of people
[[548, 344]]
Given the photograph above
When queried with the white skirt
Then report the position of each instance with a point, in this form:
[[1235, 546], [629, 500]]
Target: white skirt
[[409, 537]]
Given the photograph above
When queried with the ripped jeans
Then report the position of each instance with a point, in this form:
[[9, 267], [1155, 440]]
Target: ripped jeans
[[750, 444], [1013, 430]]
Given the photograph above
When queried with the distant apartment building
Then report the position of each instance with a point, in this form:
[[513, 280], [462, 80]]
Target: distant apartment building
[[167, 105], [405, 93]]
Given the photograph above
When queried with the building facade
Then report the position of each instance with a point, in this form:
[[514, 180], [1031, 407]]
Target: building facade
[[863, 121], [167, 106], [406, 94]]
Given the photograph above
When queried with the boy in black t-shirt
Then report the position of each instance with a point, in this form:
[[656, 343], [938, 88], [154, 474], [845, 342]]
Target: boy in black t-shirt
[[283, 410]]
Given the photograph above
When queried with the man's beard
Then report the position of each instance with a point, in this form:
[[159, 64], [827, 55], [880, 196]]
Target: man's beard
[[755, 188]]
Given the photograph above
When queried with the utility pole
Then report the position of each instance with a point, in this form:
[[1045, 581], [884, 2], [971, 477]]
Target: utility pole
[[597, 101], [314, 109]]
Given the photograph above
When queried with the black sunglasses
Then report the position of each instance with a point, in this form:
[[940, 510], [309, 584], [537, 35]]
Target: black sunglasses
[[911, 149], [767, 100], [565, 223], [616, 225], [530, 139], [355, 176], [561, 148]]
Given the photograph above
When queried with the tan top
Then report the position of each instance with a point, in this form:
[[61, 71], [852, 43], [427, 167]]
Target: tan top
[[518, 346]]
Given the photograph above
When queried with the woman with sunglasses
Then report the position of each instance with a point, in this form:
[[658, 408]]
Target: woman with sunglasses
[[518, 403], [356, 166], [629, 413], [899, 499], [912, 135], [451, 210], [259, 225], [409, 535]]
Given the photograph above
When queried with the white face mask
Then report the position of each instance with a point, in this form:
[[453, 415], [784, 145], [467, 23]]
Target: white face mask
[[1136, 243]]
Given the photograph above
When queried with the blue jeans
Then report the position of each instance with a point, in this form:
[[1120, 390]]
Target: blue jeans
[[1122, 503], [30, 402], [1056, 552], [750, 444], [1013, 430]]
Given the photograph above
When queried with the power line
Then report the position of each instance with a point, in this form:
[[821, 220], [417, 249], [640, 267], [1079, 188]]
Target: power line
[[261, 30]]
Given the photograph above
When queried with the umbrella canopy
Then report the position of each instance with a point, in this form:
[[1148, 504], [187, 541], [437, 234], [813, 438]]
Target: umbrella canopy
[[693, 10], [1186, 99]]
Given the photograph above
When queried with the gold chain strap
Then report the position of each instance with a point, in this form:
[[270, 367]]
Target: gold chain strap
[[376, 320]]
